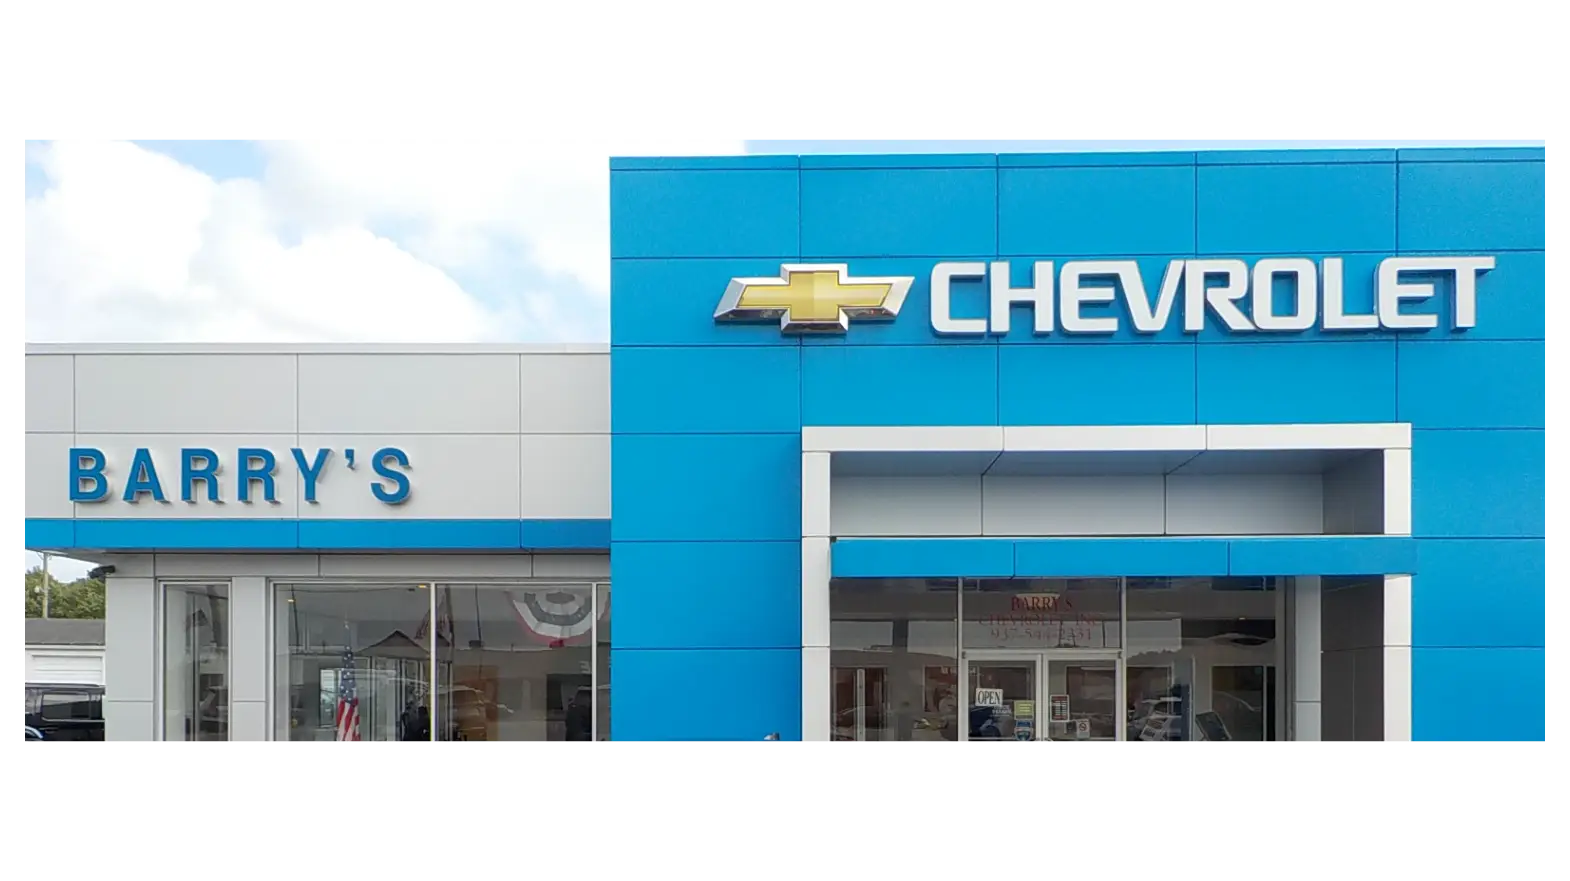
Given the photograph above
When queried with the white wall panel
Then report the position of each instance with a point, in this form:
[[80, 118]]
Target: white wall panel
[[572, 566], [1104, 505], [129, 720], [47, 458], [408, 394], [51, 393], [119, 450], [566, 394], [451, 477], [402, 568], [565, 476], [130, 646], [224, 566], [891, 506], [170, 394], [1228, 504]]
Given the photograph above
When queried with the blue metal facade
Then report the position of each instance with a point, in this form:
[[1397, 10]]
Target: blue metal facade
[[706, 419]]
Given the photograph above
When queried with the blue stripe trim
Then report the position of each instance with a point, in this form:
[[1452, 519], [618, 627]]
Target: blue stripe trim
[[316, 535], [848, 161], [1092, 160], [566, 535], [1329, 555], [922, 558], [1112, 557]]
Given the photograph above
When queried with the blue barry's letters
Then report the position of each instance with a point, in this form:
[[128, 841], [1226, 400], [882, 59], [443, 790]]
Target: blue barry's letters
[[201, 474]]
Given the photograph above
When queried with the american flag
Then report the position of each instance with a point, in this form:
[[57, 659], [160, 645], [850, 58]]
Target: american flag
[[346, 724]]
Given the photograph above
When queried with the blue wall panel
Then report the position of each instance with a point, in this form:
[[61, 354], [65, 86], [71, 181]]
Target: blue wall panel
[[1096, 385], [1493, 694], [740, 389], [1510, 300], [1486, 593], [1477, 484], [872, 385], [1472, 206], [704, 213], [706, 446], [659, 694], [1254, 209], [672, 303], [684, 595], [1306, 382], [1096, 210], [705, 487], [898, 212], [1472, 384]]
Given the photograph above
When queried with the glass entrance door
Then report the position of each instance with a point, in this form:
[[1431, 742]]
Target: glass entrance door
[[1048, 695], [1082, 697], [1003, 693]]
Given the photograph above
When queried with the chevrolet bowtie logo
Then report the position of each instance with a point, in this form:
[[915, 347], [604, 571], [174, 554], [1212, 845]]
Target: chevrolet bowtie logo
[[809, 298]]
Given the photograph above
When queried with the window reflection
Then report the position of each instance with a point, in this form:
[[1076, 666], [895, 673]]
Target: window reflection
[[196, 662], [602, 654], [1042, 613], [352, 662], [895, 659], [1202, 658], [516, 662]]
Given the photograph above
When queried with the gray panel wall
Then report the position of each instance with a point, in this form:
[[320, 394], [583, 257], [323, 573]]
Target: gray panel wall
[[1352, 660], [1192, 504], [502, 432]]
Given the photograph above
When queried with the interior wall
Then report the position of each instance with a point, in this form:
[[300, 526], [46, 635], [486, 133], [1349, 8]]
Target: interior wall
[[1352, 663], [1355, 496], [1014, 505]]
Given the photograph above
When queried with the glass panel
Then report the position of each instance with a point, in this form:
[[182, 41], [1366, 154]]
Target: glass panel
[[1002, 700], [1181, 632], [515, 662], [1042, 613], [1082, 701], [897, 638], [1243, 698], [353, 662], [602, 658], [196, 662]]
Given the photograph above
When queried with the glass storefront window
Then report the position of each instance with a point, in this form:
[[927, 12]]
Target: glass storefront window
[[1202, 658], [352, 662], [602, 655], [516, 662], [1042, 613], [1056, 658], [894, 654], [196, 662], [425, 662]]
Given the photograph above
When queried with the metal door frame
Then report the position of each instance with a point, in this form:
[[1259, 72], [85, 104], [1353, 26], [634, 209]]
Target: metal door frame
[[1042, 659], [1119, 674]]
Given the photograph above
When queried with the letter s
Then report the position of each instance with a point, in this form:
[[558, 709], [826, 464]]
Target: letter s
[[400, 491]]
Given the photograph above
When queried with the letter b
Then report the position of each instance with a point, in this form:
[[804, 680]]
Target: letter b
[[97, 488]]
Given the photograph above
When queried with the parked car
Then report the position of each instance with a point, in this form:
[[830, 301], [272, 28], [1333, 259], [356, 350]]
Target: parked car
[[61, 711]]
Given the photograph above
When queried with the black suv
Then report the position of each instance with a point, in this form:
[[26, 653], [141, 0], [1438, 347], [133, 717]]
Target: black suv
[[65, 712]]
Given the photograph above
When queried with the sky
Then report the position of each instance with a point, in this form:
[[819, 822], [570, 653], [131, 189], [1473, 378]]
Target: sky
[[239, 241]]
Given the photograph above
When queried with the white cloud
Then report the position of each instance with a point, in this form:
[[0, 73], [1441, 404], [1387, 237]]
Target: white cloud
[[335, 241]]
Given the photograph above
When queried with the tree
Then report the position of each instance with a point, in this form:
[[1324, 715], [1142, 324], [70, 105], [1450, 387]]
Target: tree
[[82, 598]]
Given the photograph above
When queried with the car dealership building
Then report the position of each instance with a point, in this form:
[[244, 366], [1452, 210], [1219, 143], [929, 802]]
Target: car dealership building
[[1163, 446]]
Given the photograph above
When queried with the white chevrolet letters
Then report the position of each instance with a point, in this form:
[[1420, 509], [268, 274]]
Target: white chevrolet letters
[[1210, 287]]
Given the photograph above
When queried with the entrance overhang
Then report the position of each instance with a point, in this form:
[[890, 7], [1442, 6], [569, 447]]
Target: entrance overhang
[[1120, 557]]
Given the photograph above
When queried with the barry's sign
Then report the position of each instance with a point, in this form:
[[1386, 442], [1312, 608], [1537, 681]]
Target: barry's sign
[[202, 475]]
